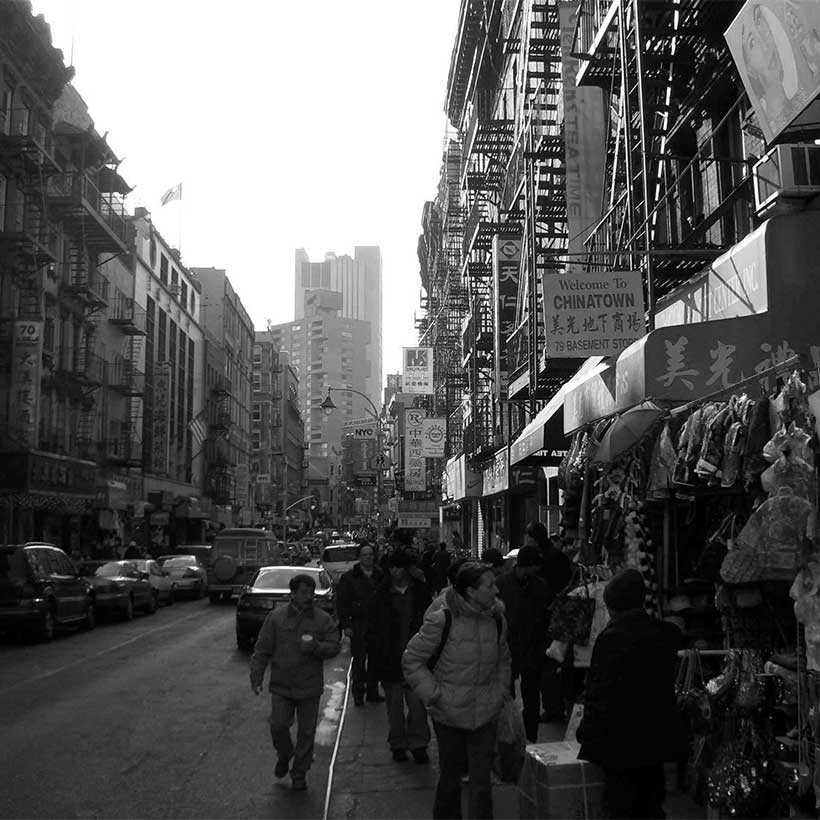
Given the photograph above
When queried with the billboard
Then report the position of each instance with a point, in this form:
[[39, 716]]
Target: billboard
[[417, 375], [776, 47], [592, 314]]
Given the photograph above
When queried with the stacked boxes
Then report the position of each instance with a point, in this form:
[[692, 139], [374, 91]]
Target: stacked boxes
[[555, 784]]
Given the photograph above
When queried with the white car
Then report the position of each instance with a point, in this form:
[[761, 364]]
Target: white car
[[186, 573], [339, 558], [162, 584]]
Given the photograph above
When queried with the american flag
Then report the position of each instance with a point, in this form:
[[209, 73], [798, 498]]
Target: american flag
[[171, 194], [199, 429]]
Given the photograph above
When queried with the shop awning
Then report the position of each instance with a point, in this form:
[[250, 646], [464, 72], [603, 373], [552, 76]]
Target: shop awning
[[543, 441]]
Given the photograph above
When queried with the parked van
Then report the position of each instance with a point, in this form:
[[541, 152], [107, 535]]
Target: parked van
[[236, 555]]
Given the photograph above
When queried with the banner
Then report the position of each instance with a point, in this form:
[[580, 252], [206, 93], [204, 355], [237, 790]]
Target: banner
[[776, 47], [417, 376], [160, 419], [506, 276], [24, 395], [433, 437], [415, 466], [592, 314]]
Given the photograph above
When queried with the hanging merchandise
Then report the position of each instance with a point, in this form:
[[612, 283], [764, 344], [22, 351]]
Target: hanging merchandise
[[662, 464], [806, 594], [571, 616]]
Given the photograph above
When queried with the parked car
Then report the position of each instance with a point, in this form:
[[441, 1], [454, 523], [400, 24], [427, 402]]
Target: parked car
[[41, 590], [271, 588], [237, 555], [161, 582], [189, 576], [121, 588], [202, 553], [339, 558]]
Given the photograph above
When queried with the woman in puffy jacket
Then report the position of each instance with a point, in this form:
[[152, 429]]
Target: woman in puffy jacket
[[467, 687]]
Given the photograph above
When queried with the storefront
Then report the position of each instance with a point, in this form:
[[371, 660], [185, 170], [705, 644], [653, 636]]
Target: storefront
[[493, 506], [461, 491]]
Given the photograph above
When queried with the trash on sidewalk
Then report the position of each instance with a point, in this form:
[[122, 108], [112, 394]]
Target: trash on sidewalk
[[554, 783]]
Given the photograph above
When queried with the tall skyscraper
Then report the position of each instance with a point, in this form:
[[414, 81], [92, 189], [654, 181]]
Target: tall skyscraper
[[359, 280]]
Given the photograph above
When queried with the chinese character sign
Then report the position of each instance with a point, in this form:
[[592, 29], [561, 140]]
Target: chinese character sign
[[417, 376], [160, 417], [433, 437], [775, 45], [24, 395], [506, 275], [592, 314], [415, 466]]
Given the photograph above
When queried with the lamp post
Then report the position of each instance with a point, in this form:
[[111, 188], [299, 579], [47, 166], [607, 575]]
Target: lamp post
[[328, 406], [285, 517]]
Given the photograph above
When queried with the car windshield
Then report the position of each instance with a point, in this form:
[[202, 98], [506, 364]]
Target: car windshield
[[113, 569], [181, 561], [280, 579], [347, 553]]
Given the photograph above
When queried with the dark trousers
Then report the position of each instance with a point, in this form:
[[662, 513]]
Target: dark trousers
[[635, 793], [281, 719], [363, 667], [461, 750], [530, 698], [553, 695]]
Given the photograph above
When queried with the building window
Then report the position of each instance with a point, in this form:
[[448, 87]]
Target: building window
[[163, 269], [257, 381], [183, 299], [193, 303], [257, 412]]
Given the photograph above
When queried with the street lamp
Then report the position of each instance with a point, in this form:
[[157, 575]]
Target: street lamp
[[328, 405]]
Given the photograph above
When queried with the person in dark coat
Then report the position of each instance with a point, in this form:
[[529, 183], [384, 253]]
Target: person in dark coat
[[396, 613], [556, 570], [526, 598], [441, 563], [356, 587], [631, 724]]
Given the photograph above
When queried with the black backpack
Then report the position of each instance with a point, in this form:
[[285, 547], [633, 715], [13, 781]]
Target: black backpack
[[445, 633]]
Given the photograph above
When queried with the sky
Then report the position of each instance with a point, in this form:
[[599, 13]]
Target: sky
[[289, 123]]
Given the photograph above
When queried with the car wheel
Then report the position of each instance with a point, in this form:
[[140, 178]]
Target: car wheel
[[214, 597], [90, 620], [128, 612], [48, 625], [153, 602]]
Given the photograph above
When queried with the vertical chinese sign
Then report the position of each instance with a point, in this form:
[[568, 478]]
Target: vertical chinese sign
[[24, 395], [161, 419], [415, 465], [506, 275]]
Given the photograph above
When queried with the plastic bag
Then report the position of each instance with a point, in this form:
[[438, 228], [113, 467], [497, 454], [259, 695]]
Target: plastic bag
[[510, 743]]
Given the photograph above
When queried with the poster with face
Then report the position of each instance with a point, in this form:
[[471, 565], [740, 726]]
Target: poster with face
[[776, 47]]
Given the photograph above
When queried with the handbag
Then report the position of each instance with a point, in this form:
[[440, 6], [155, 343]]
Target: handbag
[[571, 616], [510, 743]]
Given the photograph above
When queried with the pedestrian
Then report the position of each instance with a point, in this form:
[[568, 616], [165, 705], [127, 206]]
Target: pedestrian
[[466, 688], [133, 551], [294, 641], [458, 544], [356, 587], [631, 724], [556, 570], [441, 563], [526, 598], [396, 613]]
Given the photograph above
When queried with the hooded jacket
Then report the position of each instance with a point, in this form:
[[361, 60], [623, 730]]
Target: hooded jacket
[[471, 680], [294, 673]]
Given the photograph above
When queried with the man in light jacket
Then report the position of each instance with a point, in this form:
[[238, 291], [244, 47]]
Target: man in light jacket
[[467, 687], [294, 640]]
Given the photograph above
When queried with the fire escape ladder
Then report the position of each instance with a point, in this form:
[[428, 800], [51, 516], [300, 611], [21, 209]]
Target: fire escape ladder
[[85, 427]]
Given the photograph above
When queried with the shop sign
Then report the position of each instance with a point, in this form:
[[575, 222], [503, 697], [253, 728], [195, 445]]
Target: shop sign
[[417, 376], [584, 140], [160, 418], [589, 314], [462, 481], [496, 477], [362, 431], [590, 399], [160, 519], [113, 496], [775, 46], [524, 479], [24, 395], [506, 277], [452, 512], [263, 478], [735, 285], [414, 522], [415, 466], [46, 473], [433, 437], [365, 479]]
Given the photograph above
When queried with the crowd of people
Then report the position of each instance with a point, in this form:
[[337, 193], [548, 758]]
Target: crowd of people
[[451, 640]]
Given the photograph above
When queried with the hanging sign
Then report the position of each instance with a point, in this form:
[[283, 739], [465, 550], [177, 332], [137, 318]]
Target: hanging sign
[[415, 466], [24, 395], [506, 276], [589, 314], [417, 376], [160, 417], [433, 437]]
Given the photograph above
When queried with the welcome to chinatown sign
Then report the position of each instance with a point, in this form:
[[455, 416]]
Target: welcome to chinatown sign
[[592, 314]]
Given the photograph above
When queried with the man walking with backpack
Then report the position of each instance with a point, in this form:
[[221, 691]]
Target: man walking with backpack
[[462, 675]]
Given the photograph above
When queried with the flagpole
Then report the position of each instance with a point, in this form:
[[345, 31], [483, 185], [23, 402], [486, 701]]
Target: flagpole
[[179, 222]]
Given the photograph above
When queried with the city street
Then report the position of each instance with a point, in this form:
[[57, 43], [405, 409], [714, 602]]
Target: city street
[[149, 718]]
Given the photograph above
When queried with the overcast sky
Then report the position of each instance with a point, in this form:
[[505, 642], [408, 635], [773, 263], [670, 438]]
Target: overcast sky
[[290, 123]]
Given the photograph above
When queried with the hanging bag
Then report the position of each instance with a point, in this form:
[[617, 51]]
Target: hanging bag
[[571, 616], [510, 743]]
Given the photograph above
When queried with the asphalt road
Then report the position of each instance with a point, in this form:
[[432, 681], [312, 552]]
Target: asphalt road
[[149, 718]]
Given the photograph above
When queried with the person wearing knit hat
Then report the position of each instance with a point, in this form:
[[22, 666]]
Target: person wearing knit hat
[[631, 724], [526, 599]]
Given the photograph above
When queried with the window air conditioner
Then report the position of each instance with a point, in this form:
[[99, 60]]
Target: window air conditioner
[[787, 172]]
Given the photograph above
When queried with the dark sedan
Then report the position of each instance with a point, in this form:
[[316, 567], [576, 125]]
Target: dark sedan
[[270, 588], [120, 588]]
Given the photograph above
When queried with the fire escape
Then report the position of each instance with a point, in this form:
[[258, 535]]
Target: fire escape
[[677, 183]]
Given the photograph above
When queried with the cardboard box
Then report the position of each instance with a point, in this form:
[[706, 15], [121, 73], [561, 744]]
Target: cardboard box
[[555, 784]]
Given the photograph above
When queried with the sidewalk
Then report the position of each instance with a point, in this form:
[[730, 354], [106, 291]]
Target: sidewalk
[[368, 785]]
